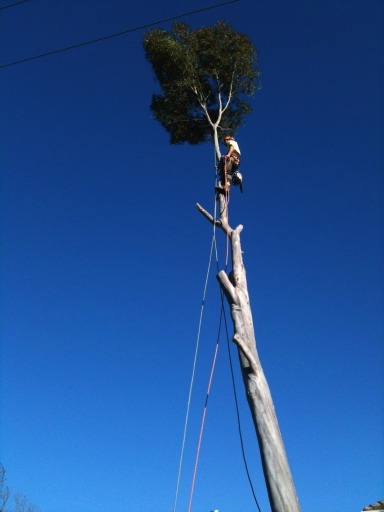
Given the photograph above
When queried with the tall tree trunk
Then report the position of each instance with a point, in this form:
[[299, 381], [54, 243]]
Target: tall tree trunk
[[278, 478]]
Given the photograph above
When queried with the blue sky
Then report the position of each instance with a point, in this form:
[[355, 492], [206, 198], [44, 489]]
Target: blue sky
[[104, 257]]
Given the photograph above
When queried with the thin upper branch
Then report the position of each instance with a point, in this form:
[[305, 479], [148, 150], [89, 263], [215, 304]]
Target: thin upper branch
[[205, 110], [230, 95], [219, 98]]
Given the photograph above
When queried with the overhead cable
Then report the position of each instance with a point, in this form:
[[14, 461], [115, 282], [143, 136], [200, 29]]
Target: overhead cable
[[117, 34], [13, 5]]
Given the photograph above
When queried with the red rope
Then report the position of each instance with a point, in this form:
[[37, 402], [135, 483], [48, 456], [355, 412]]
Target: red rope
[[212, 371], [202, 429]]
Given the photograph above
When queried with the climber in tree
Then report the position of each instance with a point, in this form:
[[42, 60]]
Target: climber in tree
[[229, 164]]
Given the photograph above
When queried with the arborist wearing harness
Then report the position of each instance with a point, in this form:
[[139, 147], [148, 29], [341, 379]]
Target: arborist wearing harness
[[229, 165]]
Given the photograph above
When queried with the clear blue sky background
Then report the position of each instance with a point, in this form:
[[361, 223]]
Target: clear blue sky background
[[104, 260]]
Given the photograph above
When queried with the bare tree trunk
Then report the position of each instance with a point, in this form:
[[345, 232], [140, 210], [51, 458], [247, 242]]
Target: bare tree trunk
[[278, 478]]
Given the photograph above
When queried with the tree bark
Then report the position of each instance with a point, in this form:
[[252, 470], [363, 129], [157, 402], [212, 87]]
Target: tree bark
[[277, 474]]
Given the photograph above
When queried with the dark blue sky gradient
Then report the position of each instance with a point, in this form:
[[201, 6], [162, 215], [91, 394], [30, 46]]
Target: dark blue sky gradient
[[104, 258]]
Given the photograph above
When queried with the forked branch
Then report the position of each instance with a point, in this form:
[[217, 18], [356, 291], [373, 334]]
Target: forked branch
[[222, 222]]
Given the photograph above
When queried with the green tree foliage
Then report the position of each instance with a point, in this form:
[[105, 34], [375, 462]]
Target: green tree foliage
[[205, 76]]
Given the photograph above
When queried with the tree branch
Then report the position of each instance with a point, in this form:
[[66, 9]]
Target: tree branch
[[230, 93], [246, 352], [219, 97], [227, 287], [208, 216], [205, 110], [223, 222]]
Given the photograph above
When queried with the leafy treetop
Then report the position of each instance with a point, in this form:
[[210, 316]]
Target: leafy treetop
[[205, 76]]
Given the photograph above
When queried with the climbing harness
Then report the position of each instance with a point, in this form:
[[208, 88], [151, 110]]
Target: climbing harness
[[232, 176]]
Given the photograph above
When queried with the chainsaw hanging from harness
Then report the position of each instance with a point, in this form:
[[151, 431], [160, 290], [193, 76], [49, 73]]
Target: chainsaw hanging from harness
[[237, 180]]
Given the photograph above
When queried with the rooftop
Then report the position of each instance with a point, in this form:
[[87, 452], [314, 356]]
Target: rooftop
[[378, 507]]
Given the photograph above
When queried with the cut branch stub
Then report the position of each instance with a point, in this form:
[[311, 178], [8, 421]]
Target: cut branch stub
[[222, 222]]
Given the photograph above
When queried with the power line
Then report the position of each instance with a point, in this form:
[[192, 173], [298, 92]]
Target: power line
[[13, 5], [141, 27]]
